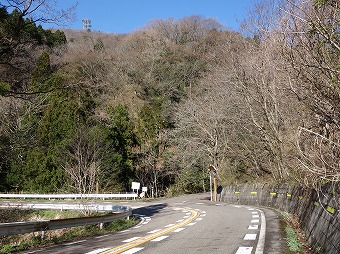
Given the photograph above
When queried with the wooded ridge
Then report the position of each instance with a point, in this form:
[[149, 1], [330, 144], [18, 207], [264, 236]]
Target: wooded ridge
[[87, 112]]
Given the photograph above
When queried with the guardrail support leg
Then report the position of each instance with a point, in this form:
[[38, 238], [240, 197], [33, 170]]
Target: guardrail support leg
[[101, 225], [42, 234]]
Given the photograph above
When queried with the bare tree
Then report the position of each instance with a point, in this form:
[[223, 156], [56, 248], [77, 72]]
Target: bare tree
[[45, 11], [187, 29], [312, 48], [296, 52], [205, 123], [9, 123], [319, 157], [260, 83], [83, 161]]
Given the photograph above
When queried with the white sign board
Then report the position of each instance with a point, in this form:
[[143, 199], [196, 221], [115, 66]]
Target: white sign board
[[144, 189], [135, 186]]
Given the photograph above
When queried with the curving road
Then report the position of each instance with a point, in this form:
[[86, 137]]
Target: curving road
[[187, 224]]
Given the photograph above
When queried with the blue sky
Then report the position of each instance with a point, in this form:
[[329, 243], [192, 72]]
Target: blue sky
[[123, 16]]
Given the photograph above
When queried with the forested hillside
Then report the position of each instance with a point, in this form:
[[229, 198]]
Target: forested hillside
[[84, 111]]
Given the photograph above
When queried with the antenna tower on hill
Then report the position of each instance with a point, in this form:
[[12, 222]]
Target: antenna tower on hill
[[87, 24]]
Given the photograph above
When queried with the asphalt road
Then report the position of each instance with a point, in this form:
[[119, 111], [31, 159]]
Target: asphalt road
[[187, 224]]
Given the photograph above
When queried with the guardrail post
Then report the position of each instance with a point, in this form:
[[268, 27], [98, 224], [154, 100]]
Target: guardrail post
[[42, 234], [101, 225]]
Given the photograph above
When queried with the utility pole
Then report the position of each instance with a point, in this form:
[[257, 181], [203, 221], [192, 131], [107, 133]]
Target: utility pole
[[213, 180]]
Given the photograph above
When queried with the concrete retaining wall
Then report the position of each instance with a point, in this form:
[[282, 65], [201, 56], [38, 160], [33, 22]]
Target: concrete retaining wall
[[318, 212]]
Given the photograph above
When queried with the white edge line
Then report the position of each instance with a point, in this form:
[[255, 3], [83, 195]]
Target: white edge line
[[101, 236], [133, 250], [71, 243], [244, 250], [178, 230], [143, 220], [154, 231], [160, 238], [97, 251], [262, 236], [131, 239]]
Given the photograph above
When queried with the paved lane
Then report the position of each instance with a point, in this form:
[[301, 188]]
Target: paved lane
[[219, 229], [187, 224]]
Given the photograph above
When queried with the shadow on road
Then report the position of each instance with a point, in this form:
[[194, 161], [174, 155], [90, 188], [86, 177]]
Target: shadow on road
[[149, 210]]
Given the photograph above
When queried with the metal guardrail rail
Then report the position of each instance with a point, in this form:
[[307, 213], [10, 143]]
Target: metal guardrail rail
[[63, 206], [26, 227], [69, 196]]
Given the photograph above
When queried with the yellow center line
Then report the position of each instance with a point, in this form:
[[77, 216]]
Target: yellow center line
[[124, 247]]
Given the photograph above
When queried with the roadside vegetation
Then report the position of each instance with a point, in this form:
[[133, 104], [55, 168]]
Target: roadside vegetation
[[22, 242], [295, 238]]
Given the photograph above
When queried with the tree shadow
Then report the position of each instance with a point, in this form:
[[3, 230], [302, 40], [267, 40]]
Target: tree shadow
[[149, 210]]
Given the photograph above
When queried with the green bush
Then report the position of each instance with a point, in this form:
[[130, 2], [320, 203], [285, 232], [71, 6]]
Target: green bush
[[292, 241], [6, 249]]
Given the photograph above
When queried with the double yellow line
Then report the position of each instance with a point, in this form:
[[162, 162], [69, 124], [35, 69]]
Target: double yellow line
[[119, 249]]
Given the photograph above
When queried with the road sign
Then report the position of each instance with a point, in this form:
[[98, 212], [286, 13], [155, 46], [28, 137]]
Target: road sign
[[135, 186]]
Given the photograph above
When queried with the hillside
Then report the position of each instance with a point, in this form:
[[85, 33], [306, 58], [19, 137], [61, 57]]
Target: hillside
[[87, 111]]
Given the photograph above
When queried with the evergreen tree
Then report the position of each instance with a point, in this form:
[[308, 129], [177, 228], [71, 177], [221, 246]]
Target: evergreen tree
[[123, 140]]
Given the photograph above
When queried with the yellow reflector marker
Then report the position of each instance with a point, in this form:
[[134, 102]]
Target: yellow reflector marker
[[316, 203], [253, 192], [273, 193], [331, 209], [237, 192], [289, 195]]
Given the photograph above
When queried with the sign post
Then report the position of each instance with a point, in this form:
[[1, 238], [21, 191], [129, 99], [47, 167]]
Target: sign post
[[215, 189], [213, 175], [135, 187]]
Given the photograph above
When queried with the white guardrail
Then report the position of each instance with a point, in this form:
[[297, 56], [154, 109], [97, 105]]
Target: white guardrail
[[118, 212], [26, 227], [69, 196], [63, 206]]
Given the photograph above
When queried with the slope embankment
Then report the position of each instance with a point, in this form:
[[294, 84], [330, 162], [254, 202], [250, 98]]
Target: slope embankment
[[317, 211]]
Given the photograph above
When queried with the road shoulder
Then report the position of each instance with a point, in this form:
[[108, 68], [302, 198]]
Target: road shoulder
[[275, 240]]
